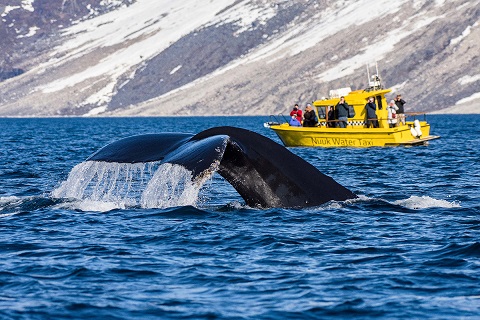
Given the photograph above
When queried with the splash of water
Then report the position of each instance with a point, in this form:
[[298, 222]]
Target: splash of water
[[121, 185], [170, 186], [425, 202]]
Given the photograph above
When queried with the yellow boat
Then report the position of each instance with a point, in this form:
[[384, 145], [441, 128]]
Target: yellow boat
[[410, 132]]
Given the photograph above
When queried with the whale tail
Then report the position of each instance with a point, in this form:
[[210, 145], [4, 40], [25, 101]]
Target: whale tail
[[263, 172]]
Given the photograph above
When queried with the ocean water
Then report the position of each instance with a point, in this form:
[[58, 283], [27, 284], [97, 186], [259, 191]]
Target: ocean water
[[409, 247]]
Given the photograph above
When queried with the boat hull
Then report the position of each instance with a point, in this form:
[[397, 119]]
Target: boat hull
[[359, 137]]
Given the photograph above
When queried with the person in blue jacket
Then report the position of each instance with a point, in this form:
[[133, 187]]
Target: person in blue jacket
[[294, 122]]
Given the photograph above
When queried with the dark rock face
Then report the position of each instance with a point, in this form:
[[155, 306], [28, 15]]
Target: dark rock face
[[6, 74]]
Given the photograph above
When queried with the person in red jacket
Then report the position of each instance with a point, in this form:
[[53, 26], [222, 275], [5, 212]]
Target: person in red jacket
[[297, 112]]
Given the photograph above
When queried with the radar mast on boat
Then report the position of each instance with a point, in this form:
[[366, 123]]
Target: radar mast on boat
[[374, 83]]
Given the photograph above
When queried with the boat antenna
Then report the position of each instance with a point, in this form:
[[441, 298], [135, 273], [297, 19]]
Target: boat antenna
[[377, 78], [368, 74]]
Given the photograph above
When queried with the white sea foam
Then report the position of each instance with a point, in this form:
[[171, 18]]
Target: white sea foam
[[425, 202], [104, 186], [10, 202], [7, 214], [332, 205], [9, 199], [237, 205], [90, 205], [7, 202]]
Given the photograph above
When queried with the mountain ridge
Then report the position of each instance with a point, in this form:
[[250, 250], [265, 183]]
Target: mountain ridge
[[154, 58]]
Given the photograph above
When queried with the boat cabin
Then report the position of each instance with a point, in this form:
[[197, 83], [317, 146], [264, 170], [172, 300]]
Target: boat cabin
[[357, 100]]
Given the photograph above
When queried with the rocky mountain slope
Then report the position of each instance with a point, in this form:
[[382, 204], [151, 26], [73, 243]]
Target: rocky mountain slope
[[225, 57]]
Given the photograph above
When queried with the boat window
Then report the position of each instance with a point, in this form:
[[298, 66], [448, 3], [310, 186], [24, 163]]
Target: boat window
[[379, 102], [321, 112]]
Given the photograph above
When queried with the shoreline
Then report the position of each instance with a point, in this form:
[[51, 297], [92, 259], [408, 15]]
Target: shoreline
[[464, 108]]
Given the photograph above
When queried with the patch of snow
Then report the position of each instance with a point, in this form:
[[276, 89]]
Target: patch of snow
[[91, 11], [31, 32], [244, 16], [463, 5], [468, 79], [398, 87], [470, 105], [28, 5], [8, 9], [417, 4], [96, 111], [102, 96], [110, 2], [175, 69], [473, 97], [464, 34]]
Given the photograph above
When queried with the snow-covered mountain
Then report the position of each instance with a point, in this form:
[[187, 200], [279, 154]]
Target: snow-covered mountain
[[224, 57]]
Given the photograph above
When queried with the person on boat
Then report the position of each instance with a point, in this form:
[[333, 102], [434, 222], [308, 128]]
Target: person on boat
[[401, 110], [342, 113], [371, 113], [294, 122], [392, 114], [297, 112], [309, 117], [330, 117]]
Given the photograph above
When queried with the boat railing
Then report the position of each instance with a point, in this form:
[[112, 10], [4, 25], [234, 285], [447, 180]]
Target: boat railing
[[274, 119], [415, 114], [281, 118]]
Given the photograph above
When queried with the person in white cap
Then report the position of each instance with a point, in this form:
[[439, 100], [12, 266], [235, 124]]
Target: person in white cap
[[309, 117], [392, 114]]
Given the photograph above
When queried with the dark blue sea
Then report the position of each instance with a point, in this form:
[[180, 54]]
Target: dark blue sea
[[409, 247]]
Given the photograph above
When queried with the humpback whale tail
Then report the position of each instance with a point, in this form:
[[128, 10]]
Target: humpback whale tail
[[264, 173]]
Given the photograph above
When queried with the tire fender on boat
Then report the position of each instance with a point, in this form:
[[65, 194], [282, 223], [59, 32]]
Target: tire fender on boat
[[413, 132], [418, 129]]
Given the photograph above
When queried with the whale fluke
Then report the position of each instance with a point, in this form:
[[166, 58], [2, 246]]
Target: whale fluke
[[142, 148], [262, 171]]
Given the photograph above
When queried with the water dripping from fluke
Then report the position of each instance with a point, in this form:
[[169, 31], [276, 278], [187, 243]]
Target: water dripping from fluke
[[107, 185]]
